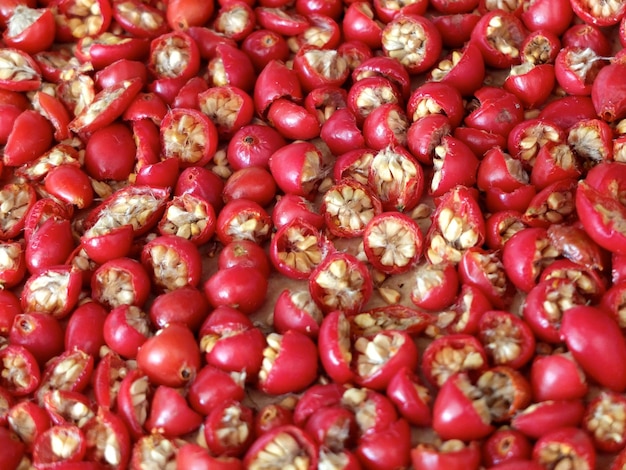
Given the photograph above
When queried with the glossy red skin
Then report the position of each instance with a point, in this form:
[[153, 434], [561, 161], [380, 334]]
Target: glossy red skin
[[108, 246], [202, 183], [124, 93], [505, 445], [162, 174], [413, 405], [123, 69], [450, 8], [28, 367], [287, 164], [548, 15], [583, 35], [292, 120], [386, 449], [165, 308], [334, 358], [479, 140], [244, 253], [30, 136], [50, 245], [187, 96], [290, 316], [458, 167], [516, 31], [359, 25], [70, 184], [275, 81], [170, 414], [306, 444], [471, 271], [85, 327], [211, 387], [291, 206], [315, 397], [166, 364], [189, 204], [295, 367], [499, 111], [241, 287], [8, 115], [454, 416], [524, 271], [497, 200], [239, 345], [253, 183], [585, 347], [31, 413], [456, 29], [579, 443], [252, 145], [425, 134], [534, 87], [453, 342], [186, 250], [146, 133], [494, 172], [120, 335], [13, 448], [289, 23], [493, 321], [590, 206], [468, 73], [107, 423], [444, 95], [9, 308], [441, 295], [146, 105], [428, 457], [220, 419], [609, 106], [120, 163], [40, 333], [341, 133], [263, 46], [547, 171], [568, 110], [102, 55], [195, 457], [378, 129]]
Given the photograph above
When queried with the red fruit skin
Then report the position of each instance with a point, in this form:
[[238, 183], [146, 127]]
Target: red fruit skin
[[608, 92], [171, 357], [590, 334]]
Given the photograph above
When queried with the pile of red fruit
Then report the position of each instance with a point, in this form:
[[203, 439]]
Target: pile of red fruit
[[312, 234]]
